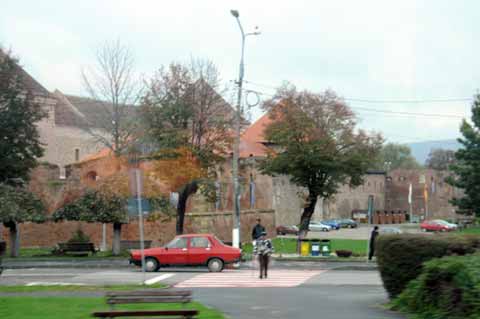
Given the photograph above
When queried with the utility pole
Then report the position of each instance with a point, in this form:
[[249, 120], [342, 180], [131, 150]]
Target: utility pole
[[236, 145]]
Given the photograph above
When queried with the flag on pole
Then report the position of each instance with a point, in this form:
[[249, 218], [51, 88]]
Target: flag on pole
[[425, 192], [410, 193]]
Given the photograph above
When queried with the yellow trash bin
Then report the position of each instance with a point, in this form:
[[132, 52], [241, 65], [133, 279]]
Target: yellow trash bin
[[304, 247]]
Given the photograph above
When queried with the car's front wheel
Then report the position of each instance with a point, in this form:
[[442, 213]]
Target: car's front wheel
[[215, 265], [151, 264]]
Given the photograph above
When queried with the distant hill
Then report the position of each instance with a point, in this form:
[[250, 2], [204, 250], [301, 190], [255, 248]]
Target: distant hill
[[420, 150]]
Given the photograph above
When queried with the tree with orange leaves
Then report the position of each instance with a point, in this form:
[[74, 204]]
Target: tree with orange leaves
[[187, 125]]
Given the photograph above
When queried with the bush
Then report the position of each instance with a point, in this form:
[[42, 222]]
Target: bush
[[400, 257], [79, 237], [447, 288], [343, 253]]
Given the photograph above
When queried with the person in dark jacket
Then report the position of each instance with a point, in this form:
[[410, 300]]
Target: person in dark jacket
[[263, 249], [373, 237], [257, 230]]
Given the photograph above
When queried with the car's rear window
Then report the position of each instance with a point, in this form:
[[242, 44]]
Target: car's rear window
[[219, 240]]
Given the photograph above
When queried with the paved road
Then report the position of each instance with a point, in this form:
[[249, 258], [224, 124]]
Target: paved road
[[287, 293]]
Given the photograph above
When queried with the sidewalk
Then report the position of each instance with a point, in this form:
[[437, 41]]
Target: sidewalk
[[109, 263]]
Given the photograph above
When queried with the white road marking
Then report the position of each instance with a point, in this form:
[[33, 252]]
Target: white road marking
[[154, 280], [249, 279], [39, 275], [41, 283]]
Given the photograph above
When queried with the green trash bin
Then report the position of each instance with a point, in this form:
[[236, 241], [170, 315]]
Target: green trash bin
[[325, 247]]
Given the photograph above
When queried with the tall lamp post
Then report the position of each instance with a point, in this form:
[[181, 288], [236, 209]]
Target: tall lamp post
[[236, 145]]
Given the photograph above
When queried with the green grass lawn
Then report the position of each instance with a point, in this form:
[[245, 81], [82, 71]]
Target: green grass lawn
[[47, 253], [81, 288], [471, 230], [80, 307], [289, 246]]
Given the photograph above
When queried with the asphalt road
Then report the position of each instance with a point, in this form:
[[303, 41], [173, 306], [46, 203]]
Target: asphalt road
[[319, 293]]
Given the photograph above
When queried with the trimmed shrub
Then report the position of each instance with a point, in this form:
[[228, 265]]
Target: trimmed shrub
[[79, 237], [448, 287], [343, 253], [400, 257]]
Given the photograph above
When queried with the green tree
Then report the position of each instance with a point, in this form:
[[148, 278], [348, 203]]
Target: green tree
[[20, 144], [466, 168], [393, 156], [18, 205], [185, 114], [316, 143], [440, 159], [95, 206]]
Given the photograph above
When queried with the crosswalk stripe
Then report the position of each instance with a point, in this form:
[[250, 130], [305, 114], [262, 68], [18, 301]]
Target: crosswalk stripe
[[248, 278], [156, 279]]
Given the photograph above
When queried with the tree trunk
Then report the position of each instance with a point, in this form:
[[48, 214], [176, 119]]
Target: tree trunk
[[307, 214], [14, 238], [117, 235], [189, 189]]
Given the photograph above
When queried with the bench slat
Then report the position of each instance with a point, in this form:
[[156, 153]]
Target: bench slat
[[127, 300], [149, 293], [135, 313]]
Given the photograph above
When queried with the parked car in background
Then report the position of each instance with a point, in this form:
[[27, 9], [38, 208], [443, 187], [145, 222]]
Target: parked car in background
[[437, 225], [347, 223], [332, 223], [390, 230], [284, 230], [452, 225], [188, 250], [318, 226]]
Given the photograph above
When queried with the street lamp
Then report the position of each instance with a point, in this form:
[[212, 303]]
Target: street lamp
[[236, 145]]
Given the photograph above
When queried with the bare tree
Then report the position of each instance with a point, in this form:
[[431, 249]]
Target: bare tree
[[112, 85]]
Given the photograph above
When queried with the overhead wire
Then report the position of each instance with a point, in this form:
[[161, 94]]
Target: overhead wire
[[385, 112]]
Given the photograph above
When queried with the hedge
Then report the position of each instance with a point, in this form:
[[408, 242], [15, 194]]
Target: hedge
[[448, 287], [400, 257]]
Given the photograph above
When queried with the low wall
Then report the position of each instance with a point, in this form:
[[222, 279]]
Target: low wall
[[159, 232]]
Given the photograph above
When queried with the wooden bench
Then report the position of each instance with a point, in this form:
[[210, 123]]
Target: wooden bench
[[76, 248], [148, 296]]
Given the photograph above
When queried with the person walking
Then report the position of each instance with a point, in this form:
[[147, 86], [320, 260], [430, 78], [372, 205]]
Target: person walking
[[257, 230], [263, 249], [373, 237]]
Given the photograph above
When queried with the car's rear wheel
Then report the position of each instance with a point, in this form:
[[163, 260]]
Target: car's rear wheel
[[151, 264], [215, 265]]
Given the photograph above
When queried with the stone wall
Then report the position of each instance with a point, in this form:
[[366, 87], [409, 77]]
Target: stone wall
[[439, 193], [288, 200], [160, 231]]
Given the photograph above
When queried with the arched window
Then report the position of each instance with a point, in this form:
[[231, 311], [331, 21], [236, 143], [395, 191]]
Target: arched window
[[92, 176], [77, 154]]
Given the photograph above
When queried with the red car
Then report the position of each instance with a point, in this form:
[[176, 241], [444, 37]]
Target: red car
[[437, 225], [283, 230], [189, 250]]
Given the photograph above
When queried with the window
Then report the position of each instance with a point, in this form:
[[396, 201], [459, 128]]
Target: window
[[92, 176], [199, 242], [179, 242], [77, 154]]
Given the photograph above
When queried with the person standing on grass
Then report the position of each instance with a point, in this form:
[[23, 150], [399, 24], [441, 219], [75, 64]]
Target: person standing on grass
[[373, 237], [263, 249]]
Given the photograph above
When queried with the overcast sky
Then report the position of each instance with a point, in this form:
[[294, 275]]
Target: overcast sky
[[372, 50]]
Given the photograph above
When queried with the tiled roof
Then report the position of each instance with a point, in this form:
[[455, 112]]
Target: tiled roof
[[31, 84], [252, 141], [82, 111]]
